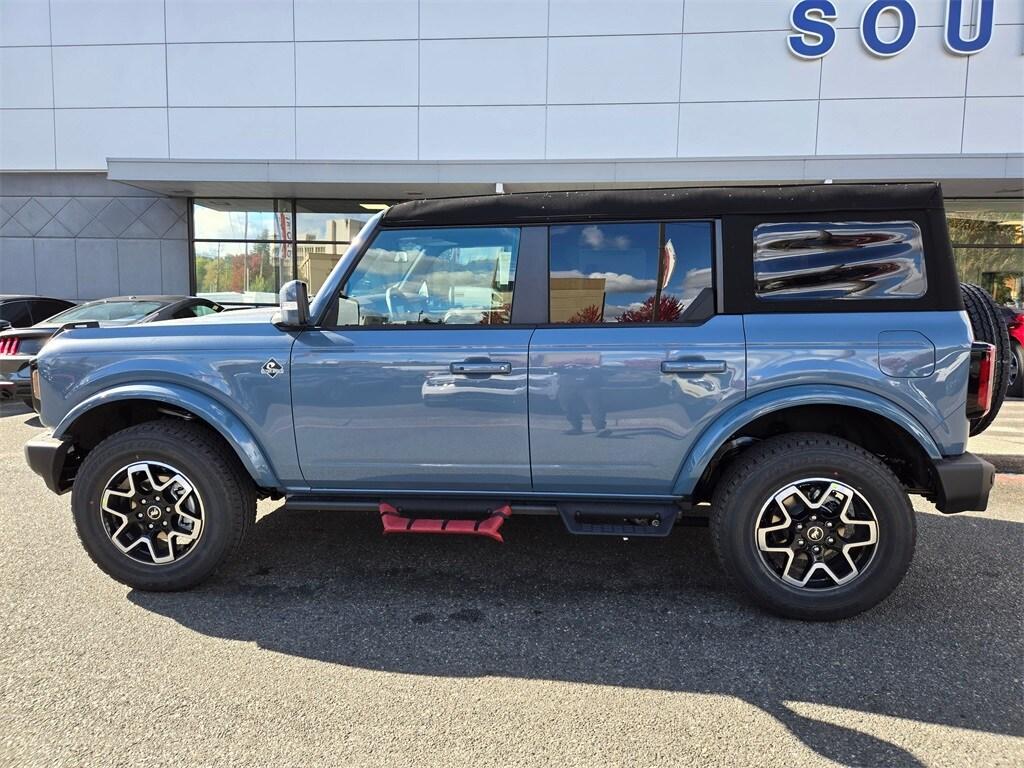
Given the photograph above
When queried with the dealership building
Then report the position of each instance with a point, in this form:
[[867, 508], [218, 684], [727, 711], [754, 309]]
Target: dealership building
[[221, 147]]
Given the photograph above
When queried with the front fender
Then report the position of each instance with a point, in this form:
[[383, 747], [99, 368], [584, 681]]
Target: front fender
[[719, 431], [231, 428]]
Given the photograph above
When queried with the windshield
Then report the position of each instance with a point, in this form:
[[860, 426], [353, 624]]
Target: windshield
[[113, 312]]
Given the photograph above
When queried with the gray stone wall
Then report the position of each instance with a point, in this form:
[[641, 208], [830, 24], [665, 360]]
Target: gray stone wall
[[79, 236]]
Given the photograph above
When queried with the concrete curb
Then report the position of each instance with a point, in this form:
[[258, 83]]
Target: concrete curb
[[1006, 464]]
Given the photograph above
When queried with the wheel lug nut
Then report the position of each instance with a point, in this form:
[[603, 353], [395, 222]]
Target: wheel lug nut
[[830, 540], [150, 525], [799, 526], [799, 542], [814, 549], [813, 517], [828, 524], [167, 509], [139, 515]]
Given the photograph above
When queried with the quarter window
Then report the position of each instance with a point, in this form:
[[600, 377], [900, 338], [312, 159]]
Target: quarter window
[[838, 260], [456, 276], [628, 273]]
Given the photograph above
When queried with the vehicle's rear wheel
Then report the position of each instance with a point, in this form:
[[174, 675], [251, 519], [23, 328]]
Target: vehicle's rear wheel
[[989, 326], [812, 527], [158, 506]]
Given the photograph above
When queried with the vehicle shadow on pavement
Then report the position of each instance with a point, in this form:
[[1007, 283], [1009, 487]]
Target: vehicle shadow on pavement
[[651, 614], [13, 408]]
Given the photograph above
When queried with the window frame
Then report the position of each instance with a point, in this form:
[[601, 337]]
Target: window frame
[[533, 270]]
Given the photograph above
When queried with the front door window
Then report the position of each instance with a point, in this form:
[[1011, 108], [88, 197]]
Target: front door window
[[452, 276]]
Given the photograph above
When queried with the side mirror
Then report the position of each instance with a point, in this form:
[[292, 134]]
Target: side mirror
[[294, 305]]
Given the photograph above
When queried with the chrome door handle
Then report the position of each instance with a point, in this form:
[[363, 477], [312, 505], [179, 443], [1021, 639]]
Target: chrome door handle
[[470, 368], [693, 367]]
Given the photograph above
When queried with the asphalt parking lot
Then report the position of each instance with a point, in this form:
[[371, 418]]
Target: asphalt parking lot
[[328, 644]]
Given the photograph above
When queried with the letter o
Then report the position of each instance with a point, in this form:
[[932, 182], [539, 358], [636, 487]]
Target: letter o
[[905, 33]]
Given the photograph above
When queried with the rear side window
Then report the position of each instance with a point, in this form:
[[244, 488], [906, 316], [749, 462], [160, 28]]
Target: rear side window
[[16, 313], [627, 273], [193, 310], [42, 310], [838, 260]]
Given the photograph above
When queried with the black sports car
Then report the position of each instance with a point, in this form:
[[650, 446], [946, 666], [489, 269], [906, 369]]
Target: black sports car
[[18, 346]]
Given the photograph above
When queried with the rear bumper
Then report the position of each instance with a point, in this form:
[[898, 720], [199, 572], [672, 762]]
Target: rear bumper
[[11, 364], [963, 483], [47, 456], [15, 378]]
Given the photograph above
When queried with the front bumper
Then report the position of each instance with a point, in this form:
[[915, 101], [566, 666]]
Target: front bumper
[[47, 456], [963, 483]]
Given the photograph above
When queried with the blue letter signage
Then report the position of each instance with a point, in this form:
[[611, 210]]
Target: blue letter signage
[[815, 34], [954, 18], [904, 34]]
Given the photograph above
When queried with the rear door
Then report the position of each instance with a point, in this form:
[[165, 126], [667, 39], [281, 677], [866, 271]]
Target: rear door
[[634, 362], [417, 380]]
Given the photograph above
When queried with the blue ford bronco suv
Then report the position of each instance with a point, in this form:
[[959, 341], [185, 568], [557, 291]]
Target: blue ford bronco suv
[[792, 361]]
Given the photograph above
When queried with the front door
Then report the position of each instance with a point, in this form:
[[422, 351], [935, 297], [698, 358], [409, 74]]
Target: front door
[[416, 381]]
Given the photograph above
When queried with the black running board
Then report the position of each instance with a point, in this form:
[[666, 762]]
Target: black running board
[[587, 519]]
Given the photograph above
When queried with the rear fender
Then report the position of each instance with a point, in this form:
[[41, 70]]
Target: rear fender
[[720, 430], [217, 416]]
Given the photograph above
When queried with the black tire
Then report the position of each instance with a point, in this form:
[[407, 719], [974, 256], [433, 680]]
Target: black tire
[[989, 326], [1016, 387], [227, 493], [758, 473]]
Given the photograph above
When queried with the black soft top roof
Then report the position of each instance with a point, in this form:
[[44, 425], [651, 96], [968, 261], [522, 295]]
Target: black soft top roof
[[687, 202]]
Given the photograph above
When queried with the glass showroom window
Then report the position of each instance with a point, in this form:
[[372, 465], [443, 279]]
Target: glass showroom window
[[244, 249], [325, 230], [988, 242]]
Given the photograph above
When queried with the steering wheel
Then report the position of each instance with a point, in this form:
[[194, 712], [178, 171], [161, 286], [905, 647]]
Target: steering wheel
[[396, 302]]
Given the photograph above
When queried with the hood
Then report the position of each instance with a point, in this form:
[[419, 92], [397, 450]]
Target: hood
[[232, 330]]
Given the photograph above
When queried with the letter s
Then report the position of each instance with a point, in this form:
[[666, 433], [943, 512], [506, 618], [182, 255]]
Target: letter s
[[812, 19]]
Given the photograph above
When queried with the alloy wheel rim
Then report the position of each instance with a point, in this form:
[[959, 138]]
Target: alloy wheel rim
[[816, 534], [152, 512]]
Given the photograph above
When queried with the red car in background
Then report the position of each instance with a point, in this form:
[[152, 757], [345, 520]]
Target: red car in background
[[1015, 326]]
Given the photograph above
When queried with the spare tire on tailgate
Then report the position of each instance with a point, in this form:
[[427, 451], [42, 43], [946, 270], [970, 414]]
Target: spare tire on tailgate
[[989, 326]]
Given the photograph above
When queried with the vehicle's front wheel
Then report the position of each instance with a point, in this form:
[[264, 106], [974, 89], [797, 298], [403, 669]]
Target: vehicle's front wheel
[[159, 506], [812, 527]]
